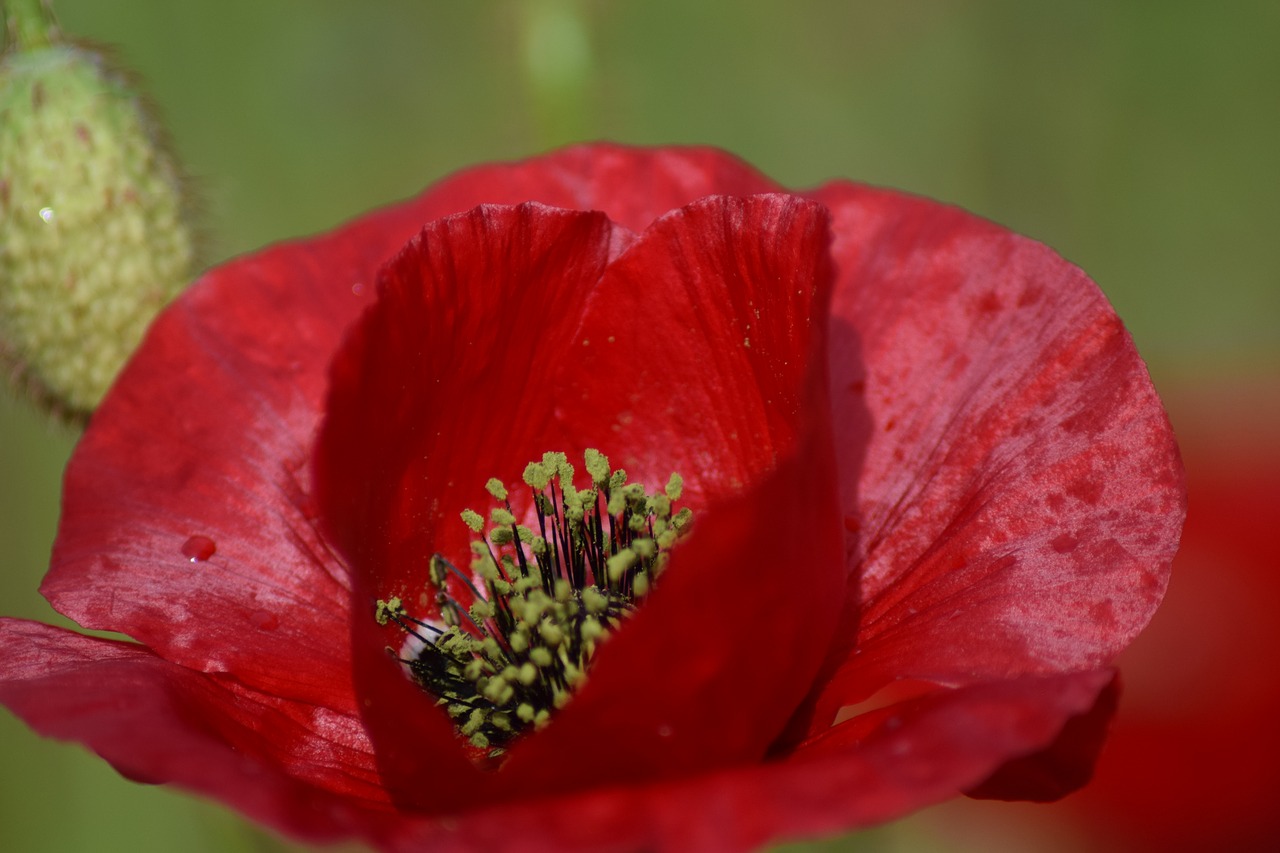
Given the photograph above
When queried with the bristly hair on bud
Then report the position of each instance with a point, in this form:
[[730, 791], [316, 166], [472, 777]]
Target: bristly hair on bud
[[514, 639], [97, 215]]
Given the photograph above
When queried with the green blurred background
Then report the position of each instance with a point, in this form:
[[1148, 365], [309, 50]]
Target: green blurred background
[[1140, 139]]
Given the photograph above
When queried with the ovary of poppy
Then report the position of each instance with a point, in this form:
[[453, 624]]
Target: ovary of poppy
[[935, 495]]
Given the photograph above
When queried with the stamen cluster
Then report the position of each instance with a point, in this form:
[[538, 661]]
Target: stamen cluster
[[516, 646]]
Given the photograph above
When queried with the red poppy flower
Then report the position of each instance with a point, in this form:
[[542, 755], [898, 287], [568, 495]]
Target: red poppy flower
[[935, 494]]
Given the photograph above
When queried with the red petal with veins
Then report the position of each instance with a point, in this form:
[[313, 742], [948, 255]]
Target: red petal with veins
[[1009, 479], [208, 435], [279, 761], [706, 355]]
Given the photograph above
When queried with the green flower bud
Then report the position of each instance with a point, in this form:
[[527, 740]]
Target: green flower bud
[[94, 228]]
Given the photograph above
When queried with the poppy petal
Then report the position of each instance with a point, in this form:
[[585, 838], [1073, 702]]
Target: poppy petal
[[1012, 491], [301, 768], [187, 523], [924, 751], [633, 186], [1061, 767], [736, 402], [444, 383]]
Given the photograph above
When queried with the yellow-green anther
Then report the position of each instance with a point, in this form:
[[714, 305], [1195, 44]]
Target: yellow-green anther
[[533, 608], [495, 488], [592, 629], [540, 655], [502, 515], [474, 669], [486, 568], [489, 646], [519, 641], [474, 721], [473, 520], [525, 712], [528, 673], [675, 486], [595, 600], [501, 536], [551, 633], [617, 480], [645, 547], [597, 466], [563, 589], [97, 232], [494, 689], [480, 611], [617, 502], [618, 564], [525, 534], [536, 476], [538, 546], [661, 506], [464, 643], [479, 741], [387, 610], [640, 585]]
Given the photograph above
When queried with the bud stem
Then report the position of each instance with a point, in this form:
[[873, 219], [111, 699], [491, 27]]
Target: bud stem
[[29, 24]]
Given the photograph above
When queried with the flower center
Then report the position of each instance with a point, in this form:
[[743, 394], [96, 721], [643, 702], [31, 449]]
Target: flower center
[[514, 640]]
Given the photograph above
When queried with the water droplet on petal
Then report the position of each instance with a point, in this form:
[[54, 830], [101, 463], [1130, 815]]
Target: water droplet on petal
[[264, 620], [46, 213], [197, 549], [664, 730]]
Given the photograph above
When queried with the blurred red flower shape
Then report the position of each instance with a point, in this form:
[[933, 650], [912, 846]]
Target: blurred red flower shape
[[936, 495], [1194, 762]]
